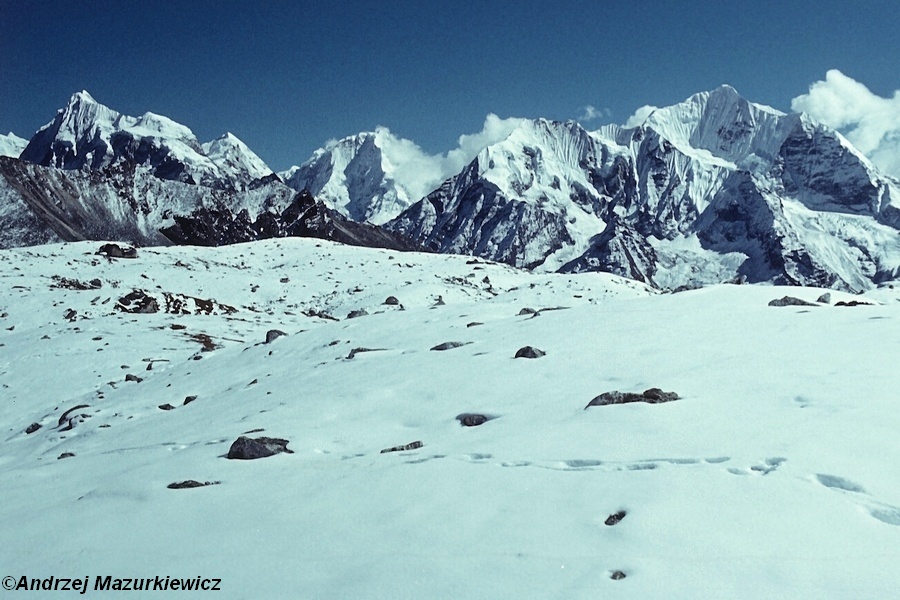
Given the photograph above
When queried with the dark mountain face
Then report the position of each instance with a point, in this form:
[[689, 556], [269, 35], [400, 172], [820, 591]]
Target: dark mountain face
[[303, 217]]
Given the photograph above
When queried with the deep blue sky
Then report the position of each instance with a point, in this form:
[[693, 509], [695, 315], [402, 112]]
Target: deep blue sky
[[287, 76]]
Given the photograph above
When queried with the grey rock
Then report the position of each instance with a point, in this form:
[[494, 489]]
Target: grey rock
[[190, 483], [273, 334], [391, 301], [472, 419], [615, 518], [409, 446], [166, 406], [357, 313], [117, 251], [527, 311], [134, 378], [651, 396], [189, 399], [449, 346], [790, 301], [65, 455], [529, 352], [617, 575], [32, 428], [853, 303], [245, 448], [824, 298]]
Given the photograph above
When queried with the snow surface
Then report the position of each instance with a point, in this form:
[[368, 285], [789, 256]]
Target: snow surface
[[12, 145], [772, 477]]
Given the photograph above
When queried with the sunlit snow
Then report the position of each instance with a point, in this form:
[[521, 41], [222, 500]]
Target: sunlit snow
[[771, 477]]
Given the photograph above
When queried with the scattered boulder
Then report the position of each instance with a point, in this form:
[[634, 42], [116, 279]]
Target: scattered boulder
[[70, 315], [188, 400], [472, 419], [824, 298], [474, 324], [320, 314], [166, 406], [32, 428], [245, 448], [651, 396], [527, 311], [134, 378], [617, 575], [117, 251], [449, 346], [273, 334], [190, 483], [137, 302], [65, 417], [75, 284], [790, 301], [391, 301], [529, 352], [409, 446], [356, 351], [357, 313], [65, 455], [853, 303], [615, 518]]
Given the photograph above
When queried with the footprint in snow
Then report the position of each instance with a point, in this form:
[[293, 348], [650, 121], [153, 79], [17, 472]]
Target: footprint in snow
[[885, 513]]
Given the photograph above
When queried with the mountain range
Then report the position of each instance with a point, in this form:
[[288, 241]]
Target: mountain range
[[712, 189]]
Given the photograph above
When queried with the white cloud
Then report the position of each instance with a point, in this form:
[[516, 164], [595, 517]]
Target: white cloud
[[420, 173], [592, 113], [639, 116], [869, 121]]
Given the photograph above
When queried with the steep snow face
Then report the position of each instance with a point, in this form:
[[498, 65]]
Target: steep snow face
[[86, 134], [358, 177], [235, 159], [724, 125], [12, 145]]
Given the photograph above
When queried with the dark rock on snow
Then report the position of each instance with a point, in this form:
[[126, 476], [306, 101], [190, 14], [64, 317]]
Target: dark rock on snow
[[245, 448], [391, 301], [824, 298], [189, 399], [357, 313], [32, 428], [190, 483], [166, 406], [529, 352], [791, 301], [409, 446], [273, 334], [472, 419], [117, 251], [449, 346], [65, 455], [615, 518], [651, 396]]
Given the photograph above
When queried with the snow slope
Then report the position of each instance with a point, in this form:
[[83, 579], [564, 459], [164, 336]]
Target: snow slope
[[771, 476]]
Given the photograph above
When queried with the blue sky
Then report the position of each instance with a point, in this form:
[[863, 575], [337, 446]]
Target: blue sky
[[287, 76]]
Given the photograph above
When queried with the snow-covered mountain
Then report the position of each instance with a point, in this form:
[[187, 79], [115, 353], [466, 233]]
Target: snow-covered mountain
[[355, 175], [93, 173], [772, 475], [712, 189], [87, 134], [12, 145]]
